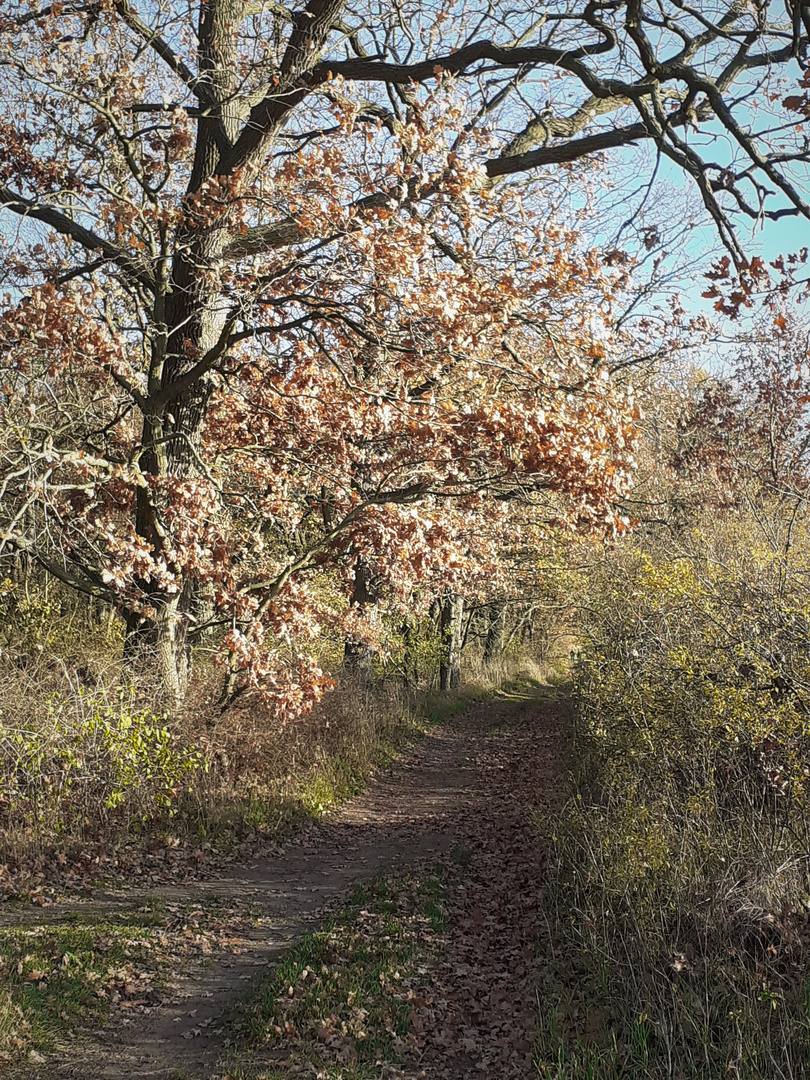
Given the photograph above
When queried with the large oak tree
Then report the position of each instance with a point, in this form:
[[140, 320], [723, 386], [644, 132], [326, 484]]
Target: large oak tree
[[276, 277]]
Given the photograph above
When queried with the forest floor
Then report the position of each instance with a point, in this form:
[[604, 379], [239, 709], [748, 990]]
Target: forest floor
[[394, 938]]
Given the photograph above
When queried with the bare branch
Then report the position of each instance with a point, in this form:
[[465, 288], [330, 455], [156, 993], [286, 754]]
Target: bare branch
[[568, 151], [27, 208]]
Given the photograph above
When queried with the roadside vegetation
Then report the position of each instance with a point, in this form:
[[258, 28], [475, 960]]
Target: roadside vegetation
[[63, 977], [678, 885], [90, 767], [678, 894]]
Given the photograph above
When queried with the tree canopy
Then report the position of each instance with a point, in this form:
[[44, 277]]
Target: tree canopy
[[291, 289]]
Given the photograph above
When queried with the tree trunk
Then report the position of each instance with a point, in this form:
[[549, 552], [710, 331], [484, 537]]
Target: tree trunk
[[408, 660], [358, 656], [188, 318], [161, 644], [171, 655], [493, 644], [452, 620]]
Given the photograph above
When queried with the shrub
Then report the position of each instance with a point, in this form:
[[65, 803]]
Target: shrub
[[678, 891], [88, 763]]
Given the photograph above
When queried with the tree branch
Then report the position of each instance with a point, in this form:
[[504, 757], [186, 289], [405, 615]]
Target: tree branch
[[178, 66], [310, 32], [49, 215], [156, 42], [569, 151], [457, 63]]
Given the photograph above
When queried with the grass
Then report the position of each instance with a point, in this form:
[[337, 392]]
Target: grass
[[338, 1002], [57, 977], [576, 1040], [653, 969], [70, 974], [523, 691], [67, 977], [343, 775]]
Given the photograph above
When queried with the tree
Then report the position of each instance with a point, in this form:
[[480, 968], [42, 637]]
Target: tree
[[268, 289], [451, 624], [731, 436]]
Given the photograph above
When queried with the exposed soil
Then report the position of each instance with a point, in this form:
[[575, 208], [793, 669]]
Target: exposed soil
[[475, 781]]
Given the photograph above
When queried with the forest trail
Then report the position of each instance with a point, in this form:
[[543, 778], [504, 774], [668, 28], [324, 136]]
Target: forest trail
[[478, 780]]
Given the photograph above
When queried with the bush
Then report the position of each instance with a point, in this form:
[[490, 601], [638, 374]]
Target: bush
[[87, 764], [678, 895]]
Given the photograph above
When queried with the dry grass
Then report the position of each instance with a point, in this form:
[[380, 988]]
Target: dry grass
[[268, 774], [91, 767]]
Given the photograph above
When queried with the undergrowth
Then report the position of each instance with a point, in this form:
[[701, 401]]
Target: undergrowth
[[90, 764], [281, 774], [678, 900]]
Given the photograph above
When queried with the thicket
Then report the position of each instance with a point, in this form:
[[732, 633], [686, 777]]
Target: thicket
[[679, 893]]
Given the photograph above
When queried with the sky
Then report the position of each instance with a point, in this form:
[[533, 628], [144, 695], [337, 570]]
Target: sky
[[675, 198], [673, 189]]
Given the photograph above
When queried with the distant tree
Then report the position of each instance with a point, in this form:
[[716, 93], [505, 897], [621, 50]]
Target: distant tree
[[731, 435]]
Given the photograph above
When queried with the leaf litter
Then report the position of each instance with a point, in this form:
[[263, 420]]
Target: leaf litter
[[431, 973]]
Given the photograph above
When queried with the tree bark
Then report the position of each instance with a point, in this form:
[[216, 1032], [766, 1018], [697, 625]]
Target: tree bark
[[493, 643], [358, 656], [162, 643], [452, 619]]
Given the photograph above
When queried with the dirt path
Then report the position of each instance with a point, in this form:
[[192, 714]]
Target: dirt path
[[474, 781]]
